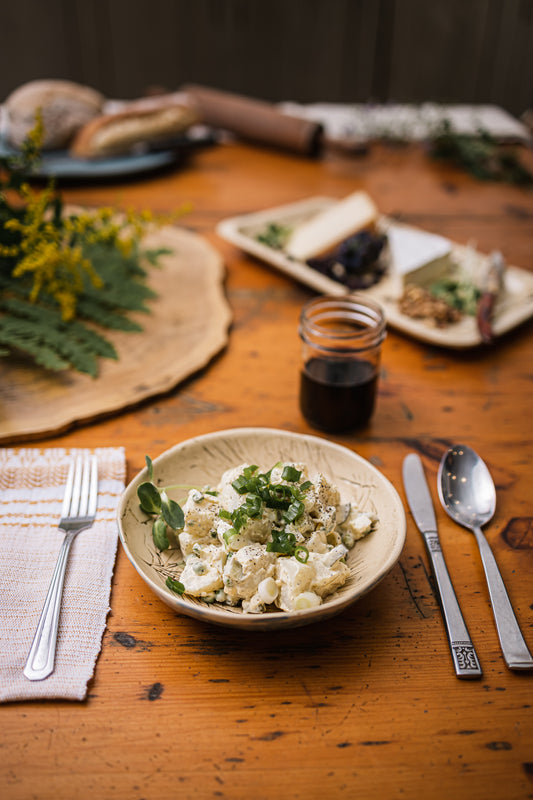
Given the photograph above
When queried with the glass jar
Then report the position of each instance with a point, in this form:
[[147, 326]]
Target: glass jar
[[341, 353]]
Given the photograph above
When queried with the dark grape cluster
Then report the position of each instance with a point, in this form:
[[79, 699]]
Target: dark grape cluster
[[357, 261]]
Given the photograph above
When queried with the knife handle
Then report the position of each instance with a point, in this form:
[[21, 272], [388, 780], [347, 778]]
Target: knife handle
[[484, 314], [464, 656]]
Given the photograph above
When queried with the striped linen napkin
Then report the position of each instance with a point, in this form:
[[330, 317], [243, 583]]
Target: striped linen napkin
[[32, 484]]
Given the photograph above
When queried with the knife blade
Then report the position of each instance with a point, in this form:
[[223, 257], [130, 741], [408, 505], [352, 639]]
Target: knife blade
[[491, 287], [464, 656]]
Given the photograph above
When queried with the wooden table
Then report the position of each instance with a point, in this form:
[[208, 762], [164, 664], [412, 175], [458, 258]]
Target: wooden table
[[367, 704]]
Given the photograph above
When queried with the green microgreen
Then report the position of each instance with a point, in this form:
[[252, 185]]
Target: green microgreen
[[174, 585], [155, 502]]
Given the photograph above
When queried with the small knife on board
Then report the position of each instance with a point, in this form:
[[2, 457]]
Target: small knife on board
[[465, 660], [491, 287]]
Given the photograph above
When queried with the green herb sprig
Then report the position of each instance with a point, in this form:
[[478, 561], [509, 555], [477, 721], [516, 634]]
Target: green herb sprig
[[167, 513], [458, 293], [479, 154], [274, 235]]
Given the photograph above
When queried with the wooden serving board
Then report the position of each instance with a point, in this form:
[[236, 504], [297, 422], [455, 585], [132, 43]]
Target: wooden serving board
[[187, 326]]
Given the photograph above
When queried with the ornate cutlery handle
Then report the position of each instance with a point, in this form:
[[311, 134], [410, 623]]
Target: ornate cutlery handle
[[464, 655]]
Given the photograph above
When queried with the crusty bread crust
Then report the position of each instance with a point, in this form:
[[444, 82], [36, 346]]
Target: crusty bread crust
[[64, 107], [117, 134]]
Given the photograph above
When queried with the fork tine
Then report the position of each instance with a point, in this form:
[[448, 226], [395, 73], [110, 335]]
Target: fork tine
[[68, 490], [84, 488], [75, 501], [93, 489]]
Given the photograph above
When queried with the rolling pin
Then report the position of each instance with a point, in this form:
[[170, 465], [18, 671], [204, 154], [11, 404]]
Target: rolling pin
[[255, 120]]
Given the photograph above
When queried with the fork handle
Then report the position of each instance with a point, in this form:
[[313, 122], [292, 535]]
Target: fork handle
[[41, 658], [514, 647]]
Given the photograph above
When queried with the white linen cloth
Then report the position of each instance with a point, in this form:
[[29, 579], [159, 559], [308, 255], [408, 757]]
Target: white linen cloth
[[366, 121], [32, 484]]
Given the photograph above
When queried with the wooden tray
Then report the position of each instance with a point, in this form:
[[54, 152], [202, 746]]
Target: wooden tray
[[187, 326], [513, 308]]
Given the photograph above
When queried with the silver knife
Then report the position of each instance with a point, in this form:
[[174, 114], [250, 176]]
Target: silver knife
[[492, 284], [465, 660]]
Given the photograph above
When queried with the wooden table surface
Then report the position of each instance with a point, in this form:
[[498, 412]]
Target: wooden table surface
[[367, 704]]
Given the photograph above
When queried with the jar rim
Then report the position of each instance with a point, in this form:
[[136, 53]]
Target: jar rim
[[366, 312]]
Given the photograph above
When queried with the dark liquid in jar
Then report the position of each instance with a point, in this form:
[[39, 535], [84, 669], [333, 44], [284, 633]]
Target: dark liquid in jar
[[337, 395]]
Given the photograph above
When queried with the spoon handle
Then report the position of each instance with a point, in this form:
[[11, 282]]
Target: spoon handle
[[514, 648]]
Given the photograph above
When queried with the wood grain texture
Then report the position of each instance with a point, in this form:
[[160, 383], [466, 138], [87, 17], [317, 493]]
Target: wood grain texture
[[367, 704]]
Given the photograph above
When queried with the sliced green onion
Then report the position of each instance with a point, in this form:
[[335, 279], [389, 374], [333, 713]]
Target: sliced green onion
[[301, 554], [240, 484], [229, 534], [291, 474], [294, 511], [254, 506]]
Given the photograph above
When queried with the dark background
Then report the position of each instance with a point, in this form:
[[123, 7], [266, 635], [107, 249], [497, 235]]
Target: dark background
[[453, 51]]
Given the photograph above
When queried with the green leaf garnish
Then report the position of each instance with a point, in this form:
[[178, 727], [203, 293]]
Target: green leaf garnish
[[154, 501], [274, 235], [149, 497], [150, 467], [174, 585], [159, 534], [172, 513]]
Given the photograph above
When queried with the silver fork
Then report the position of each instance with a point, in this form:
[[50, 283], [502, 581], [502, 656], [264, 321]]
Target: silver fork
[[78, 514]]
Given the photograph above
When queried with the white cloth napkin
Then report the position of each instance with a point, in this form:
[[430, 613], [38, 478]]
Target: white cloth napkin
[[32, 484], [366, 121]]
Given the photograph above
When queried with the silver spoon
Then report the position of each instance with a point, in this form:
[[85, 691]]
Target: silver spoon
[[467, 492]]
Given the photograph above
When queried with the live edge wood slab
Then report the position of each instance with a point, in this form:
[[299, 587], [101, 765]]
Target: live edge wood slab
[[367, 704], [186, 326]]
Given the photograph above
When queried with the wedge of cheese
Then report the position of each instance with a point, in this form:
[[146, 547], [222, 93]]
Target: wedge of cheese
[[417, 256], [331, 226]]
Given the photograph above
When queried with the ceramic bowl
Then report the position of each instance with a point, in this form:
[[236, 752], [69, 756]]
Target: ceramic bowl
[[202, 460]]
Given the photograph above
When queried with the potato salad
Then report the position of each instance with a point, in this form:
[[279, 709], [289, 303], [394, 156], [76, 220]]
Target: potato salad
[[268, 539]]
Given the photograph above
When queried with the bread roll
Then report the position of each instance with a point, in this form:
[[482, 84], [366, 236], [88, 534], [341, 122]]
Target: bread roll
[[117, 134], [65, 106]]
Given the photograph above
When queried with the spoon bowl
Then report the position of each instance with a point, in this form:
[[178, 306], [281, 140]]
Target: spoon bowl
[[466, 487], [467, 493]]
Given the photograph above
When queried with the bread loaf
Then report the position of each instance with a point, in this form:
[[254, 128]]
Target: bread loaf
[[117, 134], [64, 106]]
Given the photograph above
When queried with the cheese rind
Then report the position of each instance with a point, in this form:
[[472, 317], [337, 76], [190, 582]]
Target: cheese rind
[[331, 226], [417, 256]]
